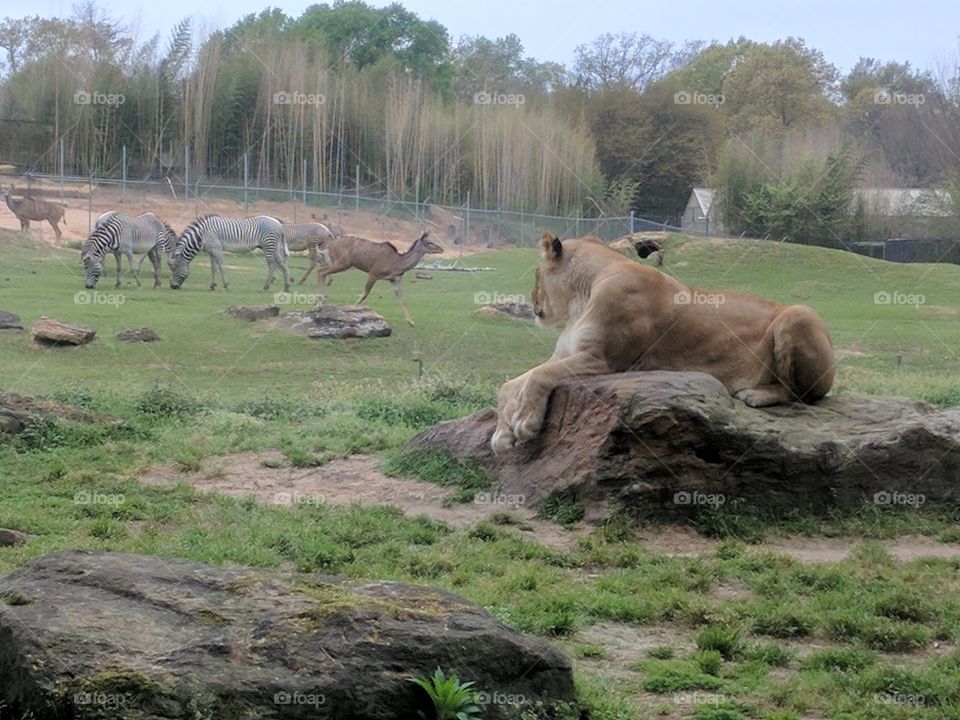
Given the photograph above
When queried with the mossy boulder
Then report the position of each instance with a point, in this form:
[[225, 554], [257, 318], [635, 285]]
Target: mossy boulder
[[95, 634]]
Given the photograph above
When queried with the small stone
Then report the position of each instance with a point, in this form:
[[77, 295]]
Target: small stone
[[512, 309], [12, 537], [142, 334], [9, 321], [253, 312]]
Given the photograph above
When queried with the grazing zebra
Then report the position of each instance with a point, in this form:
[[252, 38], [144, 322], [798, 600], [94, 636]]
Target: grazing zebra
[[312, 237], [216, 234], [126, 235]]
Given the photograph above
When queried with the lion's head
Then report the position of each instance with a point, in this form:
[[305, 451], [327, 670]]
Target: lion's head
[[552, 290]]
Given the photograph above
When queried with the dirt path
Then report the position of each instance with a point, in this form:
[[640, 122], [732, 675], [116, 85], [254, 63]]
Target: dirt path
[[269, 478]]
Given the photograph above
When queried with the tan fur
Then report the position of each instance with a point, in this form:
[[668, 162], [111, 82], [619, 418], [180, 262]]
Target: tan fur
[[28, 208], [381, 261], [309, 236], [620, 315]]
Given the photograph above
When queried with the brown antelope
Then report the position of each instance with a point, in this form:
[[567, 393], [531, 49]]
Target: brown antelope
[[381, 261], [28, 208]]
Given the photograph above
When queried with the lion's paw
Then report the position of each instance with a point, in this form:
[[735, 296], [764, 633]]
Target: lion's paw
[[753, 397], [526, 427], [501, 442]]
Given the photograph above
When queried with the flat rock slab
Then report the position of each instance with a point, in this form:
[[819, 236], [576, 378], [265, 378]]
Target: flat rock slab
[[158, 636], [253, 312], [677, 443], [18, 412], [9, 321], [143, 334], [511, 309], [335, 322], [49, 331]]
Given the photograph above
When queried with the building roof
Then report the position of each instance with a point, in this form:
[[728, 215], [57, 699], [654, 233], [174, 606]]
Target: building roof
[[704, 198], [905, 201]]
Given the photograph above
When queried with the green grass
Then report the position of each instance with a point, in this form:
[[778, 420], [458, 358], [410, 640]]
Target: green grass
[[215, 386]]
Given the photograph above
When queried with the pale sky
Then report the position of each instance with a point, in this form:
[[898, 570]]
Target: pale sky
[[923, 32]]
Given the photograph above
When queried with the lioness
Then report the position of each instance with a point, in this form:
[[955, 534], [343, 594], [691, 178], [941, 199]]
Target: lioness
[[620, 315]]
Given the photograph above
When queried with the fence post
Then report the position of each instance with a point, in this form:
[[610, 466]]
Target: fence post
[[186, 171], [124, 170], [61, 170], [246, 181], [304, 181], [466, 233], [631, 221], [89, 204], [358, 188]]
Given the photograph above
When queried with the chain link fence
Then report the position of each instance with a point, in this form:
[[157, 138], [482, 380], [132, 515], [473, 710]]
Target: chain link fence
[[179, 202]]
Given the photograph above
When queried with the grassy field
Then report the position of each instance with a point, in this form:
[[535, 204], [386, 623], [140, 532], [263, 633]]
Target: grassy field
[[745, 633]]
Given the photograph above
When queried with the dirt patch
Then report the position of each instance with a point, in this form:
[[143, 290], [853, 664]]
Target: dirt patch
[[905, 548], [269, 479]]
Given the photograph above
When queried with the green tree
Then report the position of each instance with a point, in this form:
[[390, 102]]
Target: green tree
[[779, 87]]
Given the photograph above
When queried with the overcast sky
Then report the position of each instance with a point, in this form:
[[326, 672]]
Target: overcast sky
[[923, 32]]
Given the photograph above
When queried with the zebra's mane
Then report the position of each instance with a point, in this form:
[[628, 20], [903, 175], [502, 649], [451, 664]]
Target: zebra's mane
[[94, 249]]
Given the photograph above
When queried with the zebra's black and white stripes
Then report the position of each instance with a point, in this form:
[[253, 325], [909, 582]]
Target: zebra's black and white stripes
[[122, 234], [216, 235]]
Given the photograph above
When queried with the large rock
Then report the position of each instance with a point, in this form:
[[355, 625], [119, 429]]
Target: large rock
[[18, 412], [48, 331], [673, 442], [9, 321], [253, 312], [158, 637], [336, 322]]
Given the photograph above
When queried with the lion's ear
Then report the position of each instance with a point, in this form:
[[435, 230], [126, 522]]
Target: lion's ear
[[550, 246]]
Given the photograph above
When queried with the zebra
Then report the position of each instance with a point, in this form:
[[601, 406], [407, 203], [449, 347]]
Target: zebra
[[312, 237], [124, 234], [216, 234]]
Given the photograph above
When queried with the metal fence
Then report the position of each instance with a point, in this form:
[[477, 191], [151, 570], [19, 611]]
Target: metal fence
[[355, 212]]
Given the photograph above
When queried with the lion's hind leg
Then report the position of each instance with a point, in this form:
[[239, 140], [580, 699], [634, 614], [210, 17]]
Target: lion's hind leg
[[803, 362], [803, 352]]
